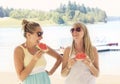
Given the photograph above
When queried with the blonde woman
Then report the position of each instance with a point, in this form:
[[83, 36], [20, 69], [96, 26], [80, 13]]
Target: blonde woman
[[29, 61], [85, 71]]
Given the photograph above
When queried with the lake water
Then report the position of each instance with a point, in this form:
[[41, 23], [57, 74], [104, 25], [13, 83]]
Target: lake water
[[56, 36]]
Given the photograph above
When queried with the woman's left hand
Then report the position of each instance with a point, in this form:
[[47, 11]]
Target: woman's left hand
[[87, 61], [49, 73]]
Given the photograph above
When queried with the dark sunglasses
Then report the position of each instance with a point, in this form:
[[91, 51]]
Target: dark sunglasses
[[39, 34], [78, 29]]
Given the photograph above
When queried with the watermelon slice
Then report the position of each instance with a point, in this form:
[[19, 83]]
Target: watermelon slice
[[80, 56], [43, 47]]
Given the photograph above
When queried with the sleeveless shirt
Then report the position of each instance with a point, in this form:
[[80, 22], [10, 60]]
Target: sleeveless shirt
[[79, 73], [40, 64]]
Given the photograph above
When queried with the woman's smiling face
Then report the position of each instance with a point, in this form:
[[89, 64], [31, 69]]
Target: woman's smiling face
[[77, 32], [36, 36]]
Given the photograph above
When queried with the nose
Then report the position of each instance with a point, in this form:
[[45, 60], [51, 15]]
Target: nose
[[74, 31]]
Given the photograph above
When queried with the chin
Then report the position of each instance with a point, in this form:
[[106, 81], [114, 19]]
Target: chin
[[36, 43], [75, 38]]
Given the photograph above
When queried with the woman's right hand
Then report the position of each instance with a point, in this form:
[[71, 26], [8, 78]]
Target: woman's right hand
[[71, 62], [37, 55]]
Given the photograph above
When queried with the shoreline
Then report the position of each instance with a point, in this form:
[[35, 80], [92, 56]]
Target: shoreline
[[11, 78], [7, 22]]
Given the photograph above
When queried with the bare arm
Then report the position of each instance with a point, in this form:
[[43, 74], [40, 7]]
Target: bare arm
[[66, 63], [94, 67], [58, 58], [22, 71]]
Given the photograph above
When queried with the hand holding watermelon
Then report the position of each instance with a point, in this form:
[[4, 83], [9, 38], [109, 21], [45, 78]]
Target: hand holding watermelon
[[80, 56], [42, 47]]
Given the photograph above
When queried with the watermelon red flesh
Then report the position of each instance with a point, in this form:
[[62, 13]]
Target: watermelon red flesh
[[42, 46], [80, 56]]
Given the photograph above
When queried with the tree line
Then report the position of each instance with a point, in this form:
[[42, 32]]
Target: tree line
[[66, 13]]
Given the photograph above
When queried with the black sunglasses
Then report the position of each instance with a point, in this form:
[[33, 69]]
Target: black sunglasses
[[78, 29], [39, 34]]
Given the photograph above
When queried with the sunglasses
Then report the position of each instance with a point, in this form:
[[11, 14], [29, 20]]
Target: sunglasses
[[78, 29], [39, 34]]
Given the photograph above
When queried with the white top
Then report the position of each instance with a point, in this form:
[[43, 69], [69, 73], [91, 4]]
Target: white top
[[79, 73]]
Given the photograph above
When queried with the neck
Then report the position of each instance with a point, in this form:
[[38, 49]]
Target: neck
[[30, 47], [28, 44], [79, 47]]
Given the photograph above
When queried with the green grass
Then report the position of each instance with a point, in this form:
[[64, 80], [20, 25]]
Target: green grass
[[8, 22]]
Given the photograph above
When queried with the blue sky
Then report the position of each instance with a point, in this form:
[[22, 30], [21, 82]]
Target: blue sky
[[110, 6]]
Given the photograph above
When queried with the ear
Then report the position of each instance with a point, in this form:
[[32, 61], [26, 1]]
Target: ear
[[28, 34]]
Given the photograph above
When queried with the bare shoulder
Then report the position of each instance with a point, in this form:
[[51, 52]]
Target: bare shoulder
[[67, 49], [66, 53], [94, 49], [18, 51]]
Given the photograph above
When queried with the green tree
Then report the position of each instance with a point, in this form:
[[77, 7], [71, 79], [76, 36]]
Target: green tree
[[2, 13]]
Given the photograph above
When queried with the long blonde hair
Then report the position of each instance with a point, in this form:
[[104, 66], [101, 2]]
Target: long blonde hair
[[86, 41]]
